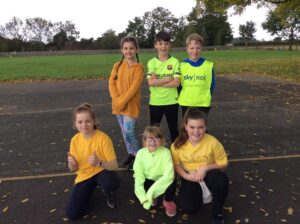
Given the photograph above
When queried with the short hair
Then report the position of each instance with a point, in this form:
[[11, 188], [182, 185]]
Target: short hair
[[162, 36], [155, 131], [195, 37]]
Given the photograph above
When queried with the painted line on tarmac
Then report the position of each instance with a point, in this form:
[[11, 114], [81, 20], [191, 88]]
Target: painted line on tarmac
[[280, 90], [124, 169], [48, 111], [51, 110]]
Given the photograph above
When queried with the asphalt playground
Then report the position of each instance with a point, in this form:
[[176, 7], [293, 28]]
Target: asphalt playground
[[257, 118]]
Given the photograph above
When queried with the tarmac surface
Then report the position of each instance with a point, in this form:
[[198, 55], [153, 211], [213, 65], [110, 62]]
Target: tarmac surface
[[255, 117]]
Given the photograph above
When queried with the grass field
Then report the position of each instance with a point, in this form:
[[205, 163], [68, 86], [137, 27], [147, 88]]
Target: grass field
[[283, 64]]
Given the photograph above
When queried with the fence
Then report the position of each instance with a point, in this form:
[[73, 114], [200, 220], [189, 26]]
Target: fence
[[91, 52]]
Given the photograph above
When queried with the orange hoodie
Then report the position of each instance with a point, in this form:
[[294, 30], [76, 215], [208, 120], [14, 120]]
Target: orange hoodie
[[125, 91]]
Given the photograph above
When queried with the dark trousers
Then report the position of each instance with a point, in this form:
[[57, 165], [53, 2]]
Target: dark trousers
[[169, 193], [190, 196], [205, 110], [171, 113], [82, 192]]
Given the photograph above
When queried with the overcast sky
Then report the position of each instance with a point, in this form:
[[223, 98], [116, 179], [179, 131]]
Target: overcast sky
[[93, 17]]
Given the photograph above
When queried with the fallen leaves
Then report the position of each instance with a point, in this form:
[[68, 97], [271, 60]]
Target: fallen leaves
[[290, 211], [5, 209], [25, 200]]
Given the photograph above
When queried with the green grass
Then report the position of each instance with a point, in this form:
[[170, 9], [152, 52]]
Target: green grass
[[284, 64]]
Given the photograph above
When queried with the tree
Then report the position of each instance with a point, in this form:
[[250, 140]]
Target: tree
[[60, 40], [68, 27], [161, 19], [247, 31], [137, 29], [212, 26], [14, 29], [284, 21], [38, 29], [110, 40]]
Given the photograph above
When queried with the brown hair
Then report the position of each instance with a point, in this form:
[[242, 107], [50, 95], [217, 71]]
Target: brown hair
[[85, 107], [162, 36], [125, 40], [195, 37], [191, 114], [155, 131]]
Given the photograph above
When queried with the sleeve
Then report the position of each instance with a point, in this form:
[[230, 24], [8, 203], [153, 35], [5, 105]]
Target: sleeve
[[213, 82], [139, 179], [112, 83], [134, 87], [159, 186], [177, 69], [106, 149], [175, 156], [73, 150], [219, 154], [150, 68]]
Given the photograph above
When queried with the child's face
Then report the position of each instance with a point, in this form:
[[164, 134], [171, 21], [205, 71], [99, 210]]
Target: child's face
[[152, 142], [195, 130], [129, 50], [84, 123], [163, 48], [194, 49]]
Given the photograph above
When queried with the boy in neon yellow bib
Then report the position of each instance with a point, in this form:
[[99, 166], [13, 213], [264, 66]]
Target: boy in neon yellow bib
[[197, 77]]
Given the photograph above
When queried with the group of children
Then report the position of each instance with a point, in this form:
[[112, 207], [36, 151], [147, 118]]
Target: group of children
[[196, 157]]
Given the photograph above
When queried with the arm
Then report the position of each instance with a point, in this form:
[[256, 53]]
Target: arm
[[139, 180], [108, 165], [72, 163], [160, 185], [174, 83], [154, 81], [134, 87], [112, 83], [213, 82]]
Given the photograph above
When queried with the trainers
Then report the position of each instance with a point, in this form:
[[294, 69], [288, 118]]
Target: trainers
[[218, 220], [128, 161], [170, 207], [130, 166], [111, 199]]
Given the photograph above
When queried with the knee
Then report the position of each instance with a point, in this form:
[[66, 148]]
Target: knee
[[112, 182]]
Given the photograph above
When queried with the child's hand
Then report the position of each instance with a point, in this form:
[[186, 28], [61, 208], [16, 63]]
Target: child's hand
[[72, 163], [201, 173], [93, 159]]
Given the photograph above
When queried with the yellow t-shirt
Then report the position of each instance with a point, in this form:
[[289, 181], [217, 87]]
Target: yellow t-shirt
[[208, 151], [82, 148]]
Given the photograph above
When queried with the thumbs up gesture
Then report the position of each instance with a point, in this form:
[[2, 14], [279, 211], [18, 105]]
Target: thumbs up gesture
[[93, 159], [72, 163]]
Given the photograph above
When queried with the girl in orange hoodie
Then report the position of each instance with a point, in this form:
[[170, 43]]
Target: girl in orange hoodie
[[124, 86]]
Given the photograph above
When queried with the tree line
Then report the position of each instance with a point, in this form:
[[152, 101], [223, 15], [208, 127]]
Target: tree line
[[208, 18]]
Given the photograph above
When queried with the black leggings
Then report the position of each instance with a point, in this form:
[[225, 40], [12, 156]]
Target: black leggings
[[169, 193], [171, 113], [82, 192], [190, 196]]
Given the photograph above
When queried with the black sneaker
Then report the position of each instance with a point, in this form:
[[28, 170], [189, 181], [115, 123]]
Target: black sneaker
[[111, 199], [130, 166], [218, 220], [128, 161]]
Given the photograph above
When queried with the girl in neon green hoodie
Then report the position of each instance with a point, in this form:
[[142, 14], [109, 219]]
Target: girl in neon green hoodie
[[154, 172]]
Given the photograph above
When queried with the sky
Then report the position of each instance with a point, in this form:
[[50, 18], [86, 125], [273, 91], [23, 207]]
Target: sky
[[94, 17]]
